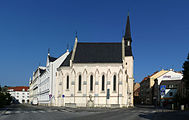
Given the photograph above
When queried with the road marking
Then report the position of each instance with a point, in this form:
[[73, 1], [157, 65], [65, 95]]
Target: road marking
[[26, 112], [34, 111], [49, 110], [146, 111], [8, 112], [65, 111], [41, 111], [17, 112]]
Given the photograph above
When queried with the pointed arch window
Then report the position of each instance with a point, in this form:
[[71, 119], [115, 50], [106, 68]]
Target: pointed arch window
[[114, 83], [91, 83], [103, 82], [67, 82], [79, 85], [128, 43]]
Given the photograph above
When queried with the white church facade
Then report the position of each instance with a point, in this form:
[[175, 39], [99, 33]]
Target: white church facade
[[97, 75]]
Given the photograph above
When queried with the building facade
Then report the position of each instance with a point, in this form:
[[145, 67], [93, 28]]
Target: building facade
[[42, 84], [136, 92], [97, 75], [20, 94], [147, 85], [172, 81]]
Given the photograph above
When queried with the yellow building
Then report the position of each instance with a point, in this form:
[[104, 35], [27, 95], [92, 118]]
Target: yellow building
[[146, 87]]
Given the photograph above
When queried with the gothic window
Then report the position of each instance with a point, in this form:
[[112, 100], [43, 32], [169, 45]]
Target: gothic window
[[91, 83], [114, 83], [103, 81], [128, 43], [67, 82], [79, 85]]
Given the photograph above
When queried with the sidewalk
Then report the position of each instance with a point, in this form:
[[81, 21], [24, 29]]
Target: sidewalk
[[77, 109]]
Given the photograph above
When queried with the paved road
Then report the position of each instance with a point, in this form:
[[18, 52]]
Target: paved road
[[28, 112]]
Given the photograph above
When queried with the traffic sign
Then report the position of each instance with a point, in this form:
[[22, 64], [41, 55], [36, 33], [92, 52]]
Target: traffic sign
[[50, 96], [162, 89], [108, 94]]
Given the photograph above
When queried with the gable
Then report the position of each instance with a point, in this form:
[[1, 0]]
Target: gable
[[170, 76]]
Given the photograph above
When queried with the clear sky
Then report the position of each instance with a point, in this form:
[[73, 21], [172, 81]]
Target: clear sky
[[160, 32]]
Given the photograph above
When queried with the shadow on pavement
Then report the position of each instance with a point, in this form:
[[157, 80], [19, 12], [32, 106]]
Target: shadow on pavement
[[176, 115]]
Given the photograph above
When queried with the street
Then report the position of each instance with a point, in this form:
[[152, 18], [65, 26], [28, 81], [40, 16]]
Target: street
[[28, 112]]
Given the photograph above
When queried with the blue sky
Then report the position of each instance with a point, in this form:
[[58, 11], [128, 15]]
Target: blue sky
[[160, 32]]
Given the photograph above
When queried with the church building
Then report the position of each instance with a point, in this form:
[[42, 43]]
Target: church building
[[97, 74]]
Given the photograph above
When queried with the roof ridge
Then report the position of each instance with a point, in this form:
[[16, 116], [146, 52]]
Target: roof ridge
[[99, 42]]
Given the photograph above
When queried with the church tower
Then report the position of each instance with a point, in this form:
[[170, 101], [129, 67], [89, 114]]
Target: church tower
[[127, 38], [128, 61]]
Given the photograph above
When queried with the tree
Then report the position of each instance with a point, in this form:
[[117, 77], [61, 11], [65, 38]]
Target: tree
[[185, 80], [186, 73], [5, 97]]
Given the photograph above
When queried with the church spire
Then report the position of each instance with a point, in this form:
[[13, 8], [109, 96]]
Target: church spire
[[48, 51], [128, 30]]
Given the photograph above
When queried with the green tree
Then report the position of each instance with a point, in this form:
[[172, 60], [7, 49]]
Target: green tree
[[186, 73], [5, 97]]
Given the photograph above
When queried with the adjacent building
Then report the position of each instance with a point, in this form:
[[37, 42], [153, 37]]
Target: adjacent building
[[42, 85], [20, 94], [160, 87], [136, 93], [171, 81], [146, 87], [97, 74]]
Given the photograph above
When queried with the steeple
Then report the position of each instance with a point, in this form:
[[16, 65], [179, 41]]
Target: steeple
[[126, 40], [76, 36], [127, 36], [48, 51]]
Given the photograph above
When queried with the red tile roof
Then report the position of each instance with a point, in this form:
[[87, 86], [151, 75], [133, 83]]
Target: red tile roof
[[149, 76], [145, 79], [19, 88]]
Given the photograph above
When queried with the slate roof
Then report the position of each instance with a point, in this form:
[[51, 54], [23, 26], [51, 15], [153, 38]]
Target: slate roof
[[128, 30], [67, 60], [98, 53], [52, 59], [41, 71]]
